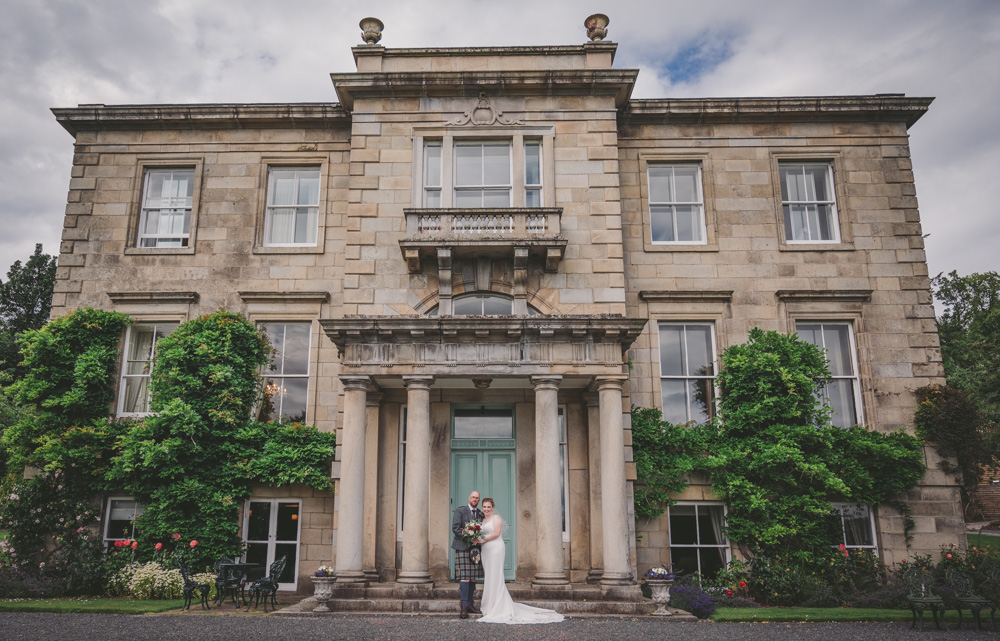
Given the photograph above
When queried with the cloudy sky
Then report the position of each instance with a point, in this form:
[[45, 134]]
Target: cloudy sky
[[61, 53]]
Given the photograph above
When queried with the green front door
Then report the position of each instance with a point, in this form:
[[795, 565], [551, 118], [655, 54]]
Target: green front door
[[486, 464]]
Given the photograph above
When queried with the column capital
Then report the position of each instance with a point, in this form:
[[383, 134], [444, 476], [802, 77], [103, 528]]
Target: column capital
[[418, 382], [611, 382], [355, 382], [374, 399], [546, 381]]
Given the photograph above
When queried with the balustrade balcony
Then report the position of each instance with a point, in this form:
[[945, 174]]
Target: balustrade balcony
[[483, 232]]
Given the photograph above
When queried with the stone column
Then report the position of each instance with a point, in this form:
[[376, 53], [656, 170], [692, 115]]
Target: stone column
[[549, 567], [350, 518], [617, 569], [596, 511], [415, 566]]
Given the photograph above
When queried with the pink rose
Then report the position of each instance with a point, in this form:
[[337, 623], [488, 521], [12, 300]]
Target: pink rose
[[135, 544], [176, 535], [193, 543], [158, 546]]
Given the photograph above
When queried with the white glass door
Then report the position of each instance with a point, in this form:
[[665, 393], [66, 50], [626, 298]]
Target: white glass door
[[270, 531]]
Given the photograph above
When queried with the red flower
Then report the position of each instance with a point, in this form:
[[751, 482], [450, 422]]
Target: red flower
[[743, 584], [135, 544], [729, 592], [176, 535], [158, 546], [846, 554], [118, 544], [949, 556], [841, 547], [193, 543]]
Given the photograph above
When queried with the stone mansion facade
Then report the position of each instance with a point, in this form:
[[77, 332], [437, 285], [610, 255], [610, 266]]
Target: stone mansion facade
[[478, 259]]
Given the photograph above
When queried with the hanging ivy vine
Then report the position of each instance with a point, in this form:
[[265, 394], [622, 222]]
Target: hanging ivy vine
[[772, 454]]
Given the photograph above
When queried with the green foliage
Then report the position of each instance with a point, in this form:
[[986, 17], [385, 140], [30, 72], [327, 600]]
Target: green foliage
[[970, 337], [25, 303], [773, 455], [69, 387], [287, 453], [948, 418], [665, 455]]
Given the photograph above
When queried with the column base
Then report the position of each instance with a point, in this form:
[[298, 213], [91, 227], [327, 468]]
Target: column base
[[549, 579], [351, 576], [413, 577], [617, 578], [594, 576]]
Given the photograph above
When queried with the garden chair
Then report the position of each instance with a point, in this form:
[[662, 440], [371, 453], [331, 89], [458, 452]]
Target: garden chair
[[267, 587], [920, 593], [191, 586], [962, 584], [227, 582]]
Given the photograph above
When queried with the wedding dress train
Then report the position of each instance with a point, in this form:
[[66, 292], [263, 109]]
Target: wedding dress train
[[496, 604]]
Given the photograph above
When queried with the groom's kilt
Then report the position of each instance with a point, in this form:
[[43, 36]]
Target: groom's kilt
[[465, 569]]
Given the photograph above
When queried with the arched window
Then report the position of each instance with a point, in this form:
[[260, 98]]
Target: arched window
[[483, 304]]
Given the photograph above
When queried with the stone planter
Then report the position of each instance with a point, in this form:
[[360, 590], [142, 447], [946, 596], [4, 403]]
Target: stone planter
[[323, 591], [597, 26], [661, 595], [371, 30]]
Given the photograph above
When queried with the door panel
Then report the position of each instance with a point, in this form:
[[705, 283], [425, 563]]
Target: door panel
[[272, 531]]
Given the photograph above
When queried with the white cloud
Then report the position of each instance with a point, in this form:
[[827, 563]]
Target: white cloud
[[65, 52]]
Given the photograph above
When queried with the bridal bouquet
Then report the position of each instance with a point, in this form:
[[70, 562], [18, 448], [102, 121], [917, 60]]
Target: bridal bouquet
[[470, 532]]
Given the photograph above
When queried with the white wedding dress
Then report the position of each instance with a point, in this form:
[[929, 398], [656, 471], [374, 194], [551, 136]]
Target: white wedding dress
[[496, 604]]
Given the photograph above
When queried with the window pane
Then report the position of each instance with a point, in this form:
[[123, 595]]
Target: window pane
[[816, 183], [259, 521], [136, 399], [661, 223], [684, 560], [838, 349], [432, 199], [710, 522], [468, 165], [308, 187], [712, 560], [699, 350], [671, 354], [532, 164], [683, 527], [674, 396], [282, 187], [257, 553], [660, 183], [533, 198], [496, 198], [295, 358], [701, 396], [857, 525], [841, 395], [469, 198], [276, 334], [288, 524], [467, 306], [293, 399], [287, 550], [496, 164], [686, 184], [484, 422], [688, 222], [497, 305], [432, 165]]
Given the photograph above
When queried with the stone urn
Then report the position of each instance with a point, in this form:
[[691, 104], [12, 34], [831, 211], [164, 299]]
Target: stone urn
[[661, 595], [597, 26], [323, 591], [371, 30]]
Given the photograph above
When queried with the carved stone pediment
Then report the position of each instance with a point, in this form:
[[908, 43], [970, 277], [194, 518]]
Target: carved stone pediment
[[484, 113]]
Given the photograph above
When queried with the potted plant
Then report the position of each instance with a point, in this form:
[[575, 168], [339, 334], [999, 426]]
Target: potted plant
[[659, 581], [323, 579]]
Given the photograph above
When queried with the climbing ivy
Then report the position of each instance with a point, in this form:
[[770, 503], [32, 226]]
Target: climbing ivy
[[772, 454]]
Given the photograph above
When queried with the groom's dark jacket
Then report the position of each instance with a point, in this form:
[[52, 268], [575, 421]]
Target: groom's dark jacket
[[463, 515]]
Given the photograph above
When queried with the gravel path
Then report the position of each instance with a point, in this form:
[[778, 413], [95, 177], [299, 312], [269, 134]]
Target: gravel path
[[100, 627]]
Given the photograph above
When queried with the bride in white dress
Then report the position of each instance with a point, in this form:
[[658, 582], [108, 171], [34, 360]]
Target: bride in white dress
[[496, 604]]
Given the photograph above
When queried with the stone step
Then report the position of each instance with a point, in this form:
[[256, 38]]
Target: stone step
[[442, 607], [519, 592]]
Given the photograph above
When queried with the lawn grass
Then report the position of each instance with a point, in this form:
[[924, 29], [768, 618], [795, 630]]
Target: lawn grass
[[982, 540], [822, 615], [89, 604]]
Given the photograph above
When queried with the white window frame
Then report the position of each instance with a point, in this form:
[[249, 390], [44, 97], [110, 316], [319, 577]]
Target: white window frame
[[673, 204], [534, 187], [855, 378], [314, 207], [267, 374], [831, 202], [176, 204], [129, 332], [689, 377], [838, 511], [725, 546], [429, 194], [137, 510], [272, 533]]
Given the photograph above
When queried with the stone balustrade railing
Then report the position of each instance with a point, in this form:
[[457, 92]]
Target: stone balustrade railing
[[472, 224]]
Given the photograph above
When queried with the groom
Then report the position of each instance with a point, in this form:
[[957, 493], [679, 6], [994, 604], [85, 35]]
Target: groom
[[466, 571]]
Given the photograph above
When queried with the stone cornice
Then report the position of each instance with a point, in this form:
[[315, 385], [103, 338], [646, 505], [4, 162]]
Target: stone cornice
[[879, 107], [285, 297], [720, 296], [530, 50], [203, 116], [842, 295], [153, 297], [492, 345], [409, 84]]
